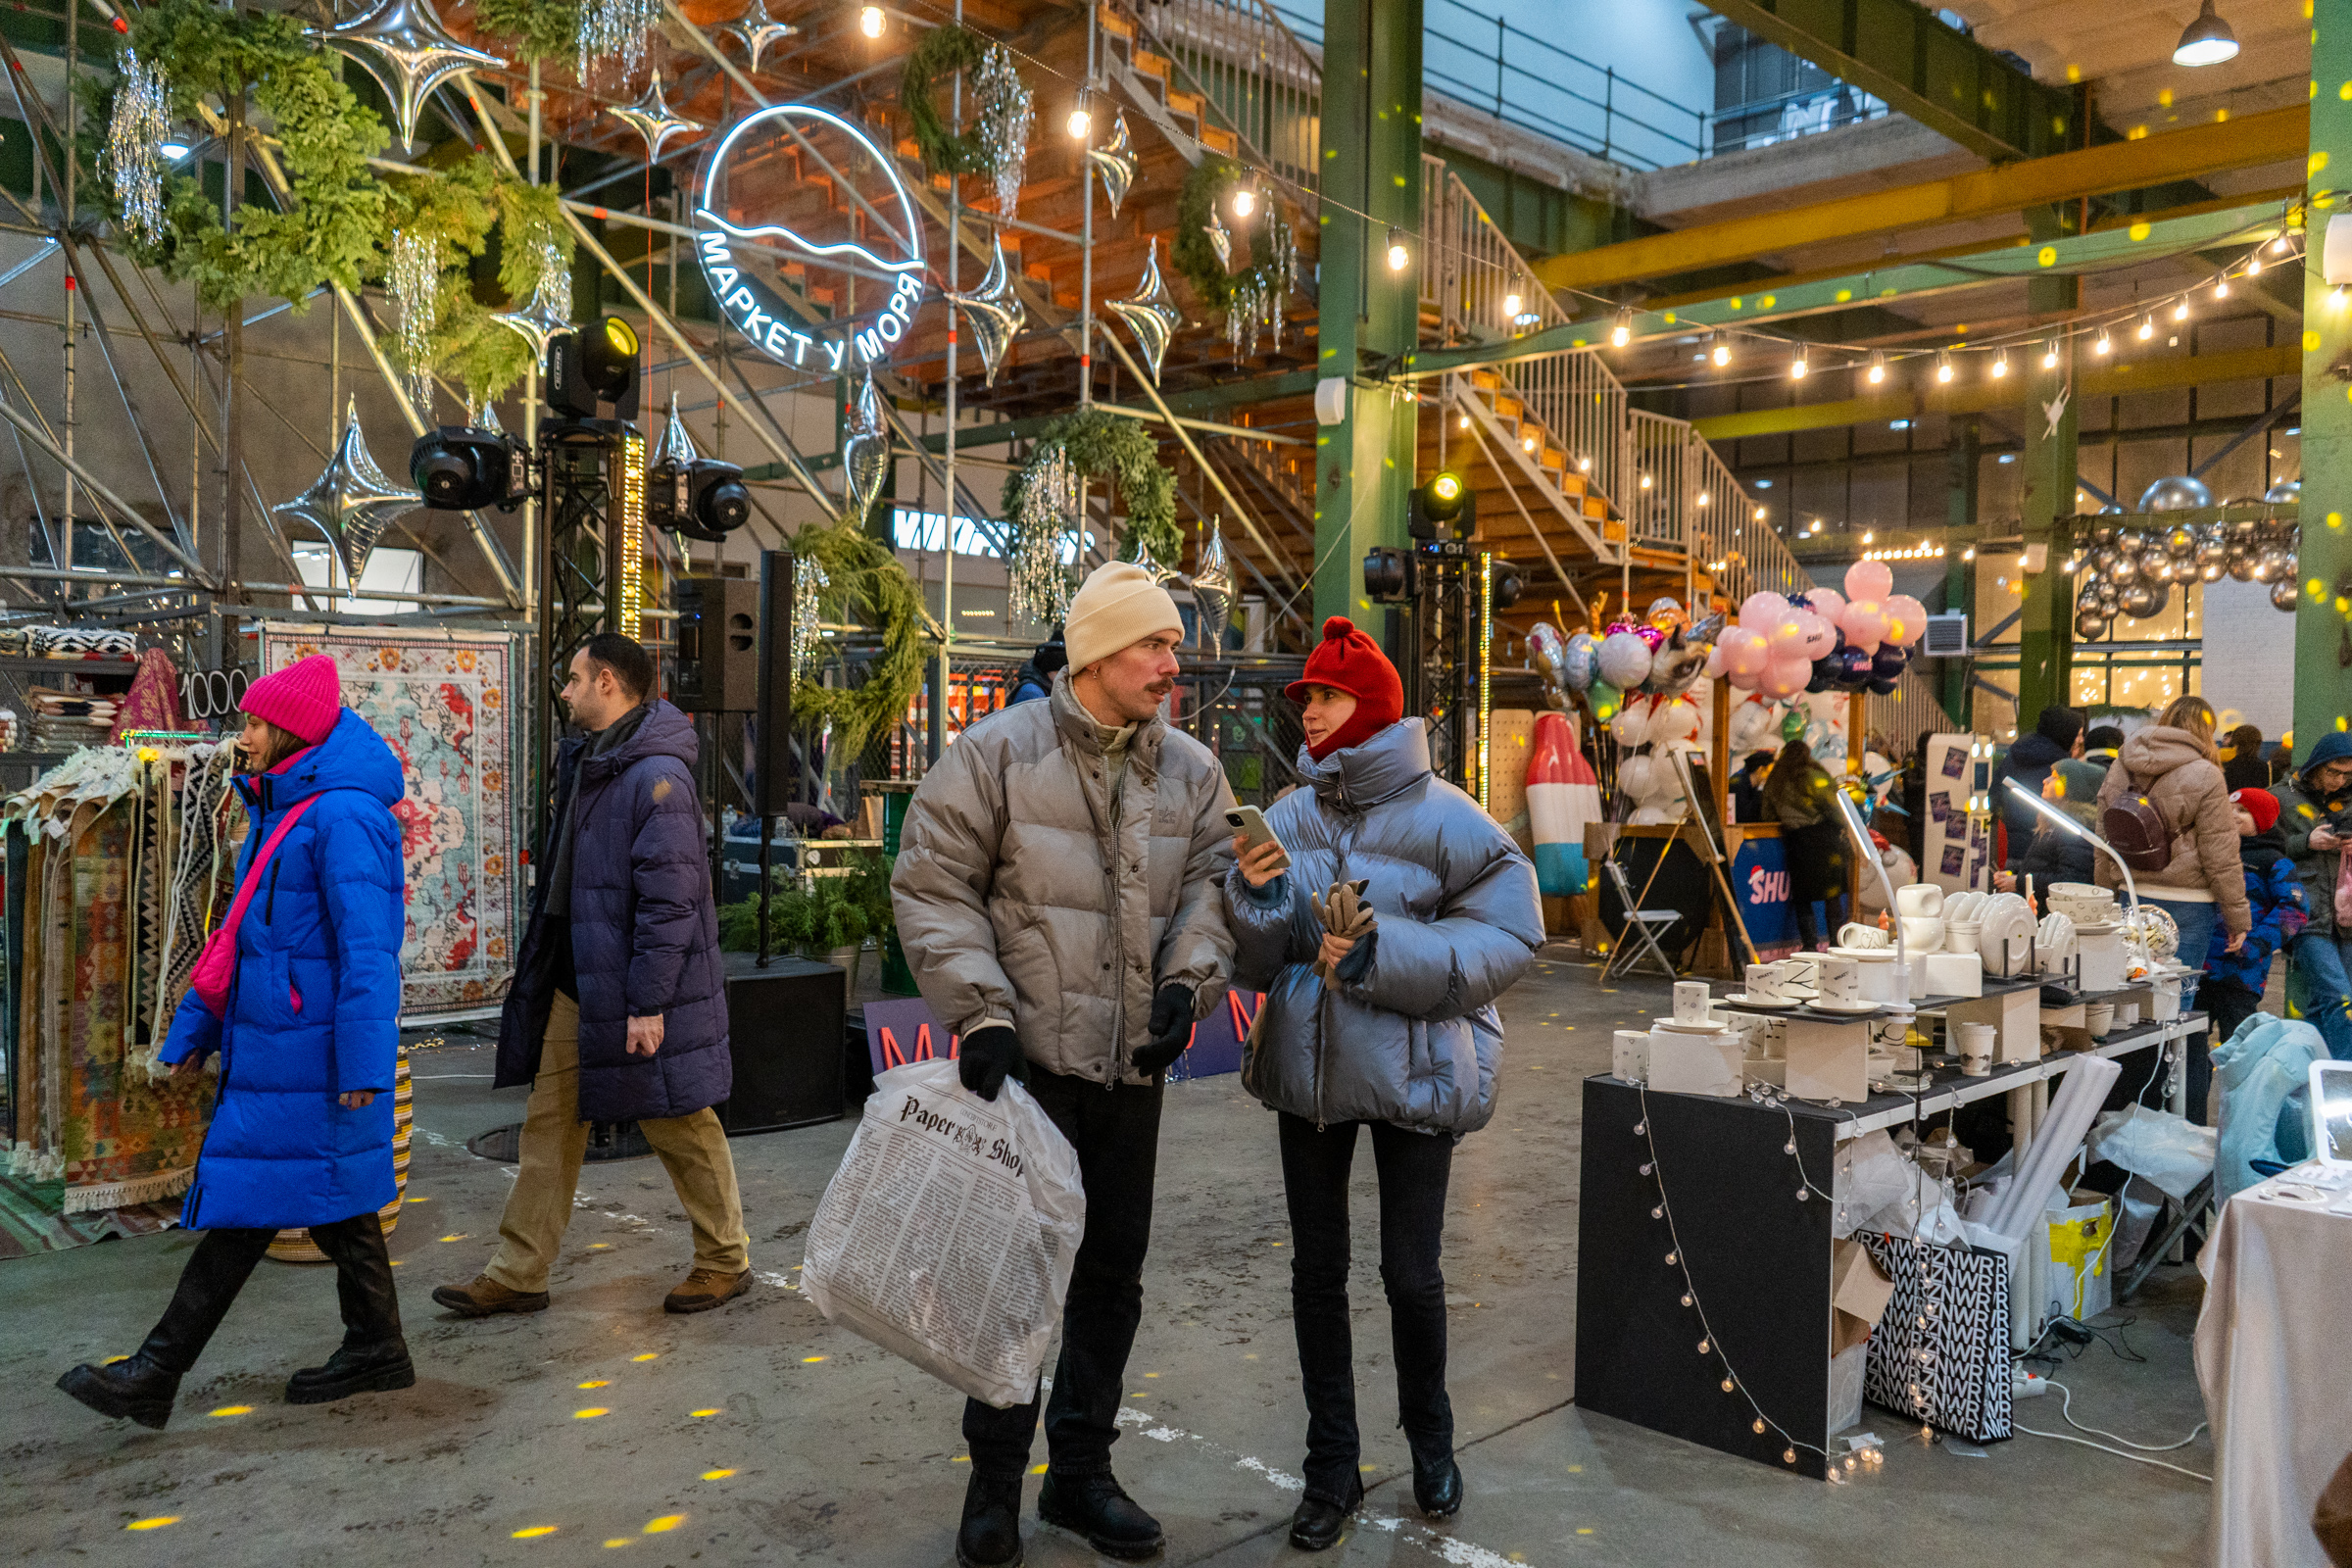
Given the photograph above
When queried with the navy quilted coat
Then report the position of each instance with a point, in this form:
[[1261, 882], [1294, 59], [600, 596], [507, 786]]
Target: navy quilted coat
[[1413, 1038], [313, 1012], [644, 933]]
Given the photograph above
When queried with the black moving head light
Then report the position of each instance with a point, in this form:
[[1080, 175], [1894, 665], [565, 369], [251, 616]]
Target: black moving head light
[[458, 468], [595, 364], [702, 498]]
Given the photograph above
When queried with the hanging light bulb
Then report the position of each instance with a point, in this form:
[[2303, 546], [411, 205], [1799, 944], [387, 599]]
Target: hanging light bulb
[[2220, 289], [2049, 355], [2104, 344], [1465, 425], [1622, 332], [2254, 264], [1798, 365], [2000, 365], [1244, 201], [1877, 367], [2279, 245], [1584, 464], [2180, 311], [1082, 115], [869, 21], [2147, 326], [2206, 41], [1943, 366], [1512, 304], [1721, 354], [1399, 258]]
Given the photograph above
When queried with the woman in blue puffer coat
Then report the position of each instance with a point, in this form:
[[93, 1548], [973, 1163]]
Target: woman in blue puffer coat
[[1403, 1038], [302, 1134]]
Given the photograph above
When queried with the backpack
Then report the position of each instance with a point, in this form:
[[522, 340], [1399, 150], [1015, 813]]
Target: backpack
[[2135, 830]]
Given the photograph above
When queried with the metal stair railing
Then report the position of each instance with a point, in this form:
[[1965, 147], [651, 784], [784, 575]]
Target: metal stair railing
[[1257, 81]]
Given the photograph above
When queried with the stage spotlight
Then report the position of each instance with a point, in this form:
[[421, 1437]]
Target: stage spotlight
[[457, 468], [702, 499], [597, 363]]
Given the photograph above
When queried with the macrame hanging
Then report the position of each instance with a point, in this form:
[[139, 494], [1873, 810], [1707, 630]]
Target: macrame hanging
[[134, 134]]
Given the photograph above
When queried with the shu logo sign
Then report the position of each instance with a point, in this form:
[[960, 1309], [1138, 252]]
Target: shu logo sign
[[867, 227]]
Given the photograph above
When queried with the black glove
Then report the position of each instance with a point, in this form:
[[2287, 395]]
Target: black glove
[[1171, 1031], [987, 1057]]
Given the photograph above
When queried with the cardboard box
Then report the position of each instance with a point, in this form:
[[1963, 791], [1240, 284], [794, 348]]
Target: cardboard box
[[1697, 1064], [1859, 1291]]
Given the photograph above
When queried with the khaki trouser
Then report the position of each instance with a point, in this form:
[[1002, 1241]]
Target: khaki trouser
[[693, 1148]]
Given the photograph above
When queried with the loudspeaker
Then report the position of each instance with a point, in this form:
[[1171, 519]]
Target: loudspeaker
[[775, 775], [718, 630], [784, 1030]]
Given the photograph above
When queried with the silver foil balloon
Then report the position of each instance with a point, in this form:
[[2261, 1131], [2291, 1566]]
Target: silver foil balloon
[[1158, 573], [1220, 239], [403, 45], [2241, 563], [1212, 591], [2274, 566], [1150, 312], [1547, 653], [2285, 491], [2125, 571], [995, 312], [2104, 557], [352, 500], [2109, 596], [677, 442], [2181, 542], [2213, 552], [2141, 599], [756, 32], [652, 117], [1116, 161], [2244, 533], [865, 452], [2283, 594], [549, 311], [2090, 625]]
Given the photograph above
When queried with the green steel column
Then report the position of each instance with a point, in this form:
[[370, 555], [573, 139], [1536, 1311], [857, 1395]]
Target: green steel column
[[2324, 557], [2045, 630], [1371, 183], [1963, 462]]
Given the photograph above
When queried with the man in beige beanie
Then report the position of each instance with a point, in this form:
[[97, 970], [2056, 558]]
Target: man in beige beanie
[[1040, 855]]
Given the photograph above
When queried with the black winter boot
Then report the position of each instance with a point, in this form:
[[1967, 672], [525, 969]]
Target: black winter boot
[[134, 1387], [1437, 1488], [1316, 1524], [142, 1387], [374, 1356], [1093, 1505], [989, 1536], [354, 1369]]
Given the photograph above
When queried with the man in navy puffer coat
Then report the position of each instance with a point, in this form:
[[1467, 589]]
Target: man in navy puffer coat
[[618, 1010]]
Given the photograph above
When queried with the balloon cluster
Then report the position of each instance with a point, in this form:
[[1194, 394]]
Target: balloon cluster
[[2130, 571], [1823, 641], [1660, 655]]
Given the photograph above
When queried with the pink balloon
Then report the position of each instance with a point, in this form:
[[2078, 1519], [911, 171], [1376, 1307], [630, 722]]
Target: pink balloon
[[1761, 610], [1819, 635], [1864, 621], [1785, 678], [1909, 620], [1827, 603], [1869, 579], [1714, 668], [1787, 638], [1745, 654]]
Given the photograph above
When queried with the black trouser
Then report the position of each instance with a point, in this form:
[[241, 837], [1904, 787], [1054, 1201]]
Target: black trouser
[[1414, 1169], [225, 1260], [1116, 1132], [1833, 906]]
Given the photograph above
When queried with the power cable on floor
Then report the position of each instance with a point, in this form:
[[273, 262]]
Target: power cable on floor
[[2065, 1409]]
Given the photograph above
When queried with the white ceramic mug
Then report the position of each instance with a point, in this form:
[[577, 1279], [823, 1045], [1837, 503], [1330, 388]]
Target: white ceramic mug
[[1689, 1001], [1919, 899], [1976, 1047], [1841, 979], [1800, 974], [1764, 980], [1855, 934], [1960, 936], [1922, 933]]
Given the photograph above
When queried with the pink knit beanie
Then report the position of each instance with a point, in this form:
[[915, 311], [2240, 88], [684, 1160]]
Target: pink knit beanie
[[304, 699]]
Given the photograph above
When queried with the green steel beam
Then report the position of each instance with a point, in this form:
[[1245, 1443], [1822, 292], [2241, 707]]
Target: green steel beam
[[2025, 261], [2323, 557], [1950, 84]]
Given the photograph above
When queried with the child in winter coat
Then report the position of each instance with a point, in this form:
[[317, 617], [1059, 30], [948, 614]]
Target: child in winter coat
[[2233, 980]]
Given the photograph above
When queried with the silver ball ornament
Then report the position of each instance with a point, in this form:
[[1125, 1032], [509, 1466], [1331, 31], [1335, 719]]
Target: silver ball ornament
[[2282, 594], [2181, 542], [2180, 493], [2089, 624]]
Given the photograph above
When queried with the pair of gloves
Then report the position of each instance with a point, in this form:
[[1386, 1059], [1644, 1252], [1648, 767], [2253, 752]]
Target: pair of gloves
[[992, 1055]]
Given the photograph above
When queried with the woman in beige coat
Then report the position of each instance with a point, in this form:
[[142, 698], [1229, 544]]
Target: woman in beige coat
[[2174, 762]]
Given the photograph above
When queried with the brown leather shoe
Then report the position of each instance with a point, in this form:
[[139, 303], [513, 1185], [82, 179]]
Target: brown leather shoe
[[485, 1296], [704, 1289]]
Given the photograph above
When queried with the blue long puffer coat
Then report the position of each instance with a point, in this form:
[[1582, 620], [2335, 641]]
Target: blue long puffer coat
[[313, 1012], [644, 933], [1413, 1038]]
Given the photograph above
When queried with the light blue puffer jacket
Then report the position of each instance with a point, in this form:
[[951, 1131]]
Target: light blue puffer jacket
[[1412, 1036]]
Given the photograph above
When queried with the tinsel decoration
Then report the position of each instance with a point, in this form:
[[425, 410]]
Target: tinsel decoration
[[1212, 591], [351, 501], [550, 309], [994, 311], [615, 30], [135, 130], [1116, 159], [808, 584], [1007, 116], [403, 45], [864, 453], [416, 281], [1037, 586], [1150, 312]]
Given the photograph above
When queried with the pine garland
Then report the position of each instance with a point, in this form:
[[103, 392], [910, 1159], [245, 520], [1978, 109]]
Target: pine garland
[[1108, 446], [1193, 256], [865, 580], [541, 30], [944, 51]]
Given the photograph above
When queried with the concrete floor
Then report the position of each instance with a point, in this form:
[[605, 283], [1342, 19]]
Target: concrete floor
[[759, 1433]]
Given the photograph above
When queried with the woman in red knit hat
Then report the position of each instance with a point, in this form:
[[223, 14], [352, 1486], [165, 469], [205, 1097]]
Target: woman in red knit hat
[[1379, 1013]]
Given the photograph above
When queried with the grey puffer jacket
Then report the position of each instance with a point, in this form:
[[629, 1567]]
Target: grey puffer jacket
[[1014, 901], [1413, 1036]]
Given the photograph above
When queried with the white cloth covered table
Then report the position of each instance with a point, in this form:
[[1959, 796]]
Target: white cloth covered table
[[2275, 1361]]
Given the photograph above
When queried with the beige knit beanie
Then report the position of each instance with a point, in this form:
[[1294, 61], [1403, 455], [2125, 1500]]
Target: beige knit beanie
[[1119, 605]]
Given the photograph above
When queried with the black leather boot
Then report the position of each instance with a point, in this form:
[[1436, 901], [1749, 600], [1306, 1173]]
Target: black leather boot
[[1093, 1505], [1438, 1489], [135, 1388], [1317, 1524], [989, 1536], [354, 1369], [374, 1356], [142, 1387]]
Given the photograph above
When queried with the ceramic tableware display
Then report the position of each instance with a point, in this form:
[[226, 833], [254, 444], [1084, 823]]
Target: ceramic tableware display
[[2054, 944], [1919, 899], [1922, 933], [2006, 942], [1975, 1045], [1962, 935], [1841, 979], [1629, 1059], [2100, 1018], [1689, 1001], [1853, 934]]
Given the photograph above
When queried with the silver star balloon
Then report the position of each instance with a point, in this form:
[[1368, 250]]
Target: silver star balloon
[[549, 311], [995, 312], [756, 32], [864, 453], [351, 501], [1150, 312], [677, 442], [1116, 159], [1220, 239], [1212, 592], [653, 119], [1142, 558], [403, 45]]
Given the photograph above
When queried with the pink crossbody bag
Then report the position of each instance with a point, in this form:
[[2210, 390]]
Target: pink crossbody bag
[[217, 965]]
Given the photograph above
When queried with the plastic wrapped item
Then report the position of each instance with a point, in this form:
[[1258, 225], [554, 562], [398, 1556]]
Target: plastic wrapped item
[[2170, 1151], [949, 1233]]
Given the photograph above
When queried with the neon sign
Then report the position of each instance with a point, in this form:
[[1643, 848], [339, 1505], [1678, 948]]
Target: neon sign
[[752, 305]]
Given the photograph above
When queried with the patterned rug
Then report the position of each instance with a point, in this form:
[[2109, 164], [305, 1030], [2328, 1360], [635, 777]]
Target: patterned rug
[[32, 1220], [441, 699]]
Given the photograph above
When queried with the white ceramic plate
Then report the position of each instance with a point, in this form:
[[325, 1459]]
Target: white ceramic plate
[[1742, 999], [1710, 1026], [1825, 1005]]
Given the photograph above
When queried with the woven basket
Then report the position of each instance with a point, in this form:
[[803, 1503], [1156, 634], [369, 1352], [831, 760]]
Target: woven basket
[[295, 1245]]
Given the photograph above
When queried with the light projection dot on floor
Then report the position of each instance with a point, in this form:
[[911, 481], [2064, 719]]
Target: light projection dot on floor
[[533, 1532], [621, 1540], [811, 1361], [698, 1413], [647, 1356], [668, 1522], [112, 1359], [458, 1236], [1037, 1469], [591, 1413], [232, 1409], [716, 1475], [1151, 1374], [594, 1383], [600, 1246], [156, 1523]]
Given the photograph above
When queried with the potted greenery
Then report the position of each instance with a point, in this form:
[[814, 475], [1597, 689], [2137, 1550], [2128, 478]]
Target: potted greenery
[[830, 919]]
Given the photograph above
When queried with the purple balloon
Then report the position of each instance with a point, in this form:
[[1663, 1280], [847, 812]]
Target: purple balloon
[[1888, 664], [1885, 688]]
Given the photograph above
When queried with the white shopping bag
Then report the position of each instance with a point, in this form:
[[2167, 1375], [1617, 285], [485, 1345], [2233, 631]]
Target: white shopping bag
[[949, 1234]]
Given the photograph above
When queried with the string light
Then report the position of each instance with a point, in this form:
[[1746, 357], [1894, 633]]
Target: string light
[[1622, 332], [2220, 289], [2049, 353], [1399, 258], [2254, 264], [1721, 354], [1245, 202], [2000, 365], [1943, 366], [2147, 326], [1877, 367], [2103, 345], [2280, 244], [1798, 365], [1082, 115], [1584, 464], [869, 21], [2180, 311], [1510, 302]]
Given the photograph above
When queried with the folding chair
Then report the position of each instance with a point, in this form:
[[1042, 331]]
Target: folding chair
[[1640, 926]]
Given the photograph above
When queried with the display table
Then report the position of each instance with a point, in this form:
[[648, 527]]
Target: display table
[[1733, 1233], [2273, 1361]]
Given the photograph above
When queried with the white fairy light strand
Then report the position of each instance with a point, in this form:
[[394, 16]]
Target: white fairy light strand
[[808, 584]]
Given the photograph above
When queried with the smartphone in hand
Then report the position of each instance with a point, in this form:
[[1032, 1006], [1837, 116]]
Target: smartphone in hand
[[1251, 823]]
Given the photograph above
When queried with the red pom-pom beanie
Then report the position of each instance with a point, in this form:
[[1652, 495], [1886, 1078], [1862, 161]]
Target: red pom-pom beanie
[[1348, 661]]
